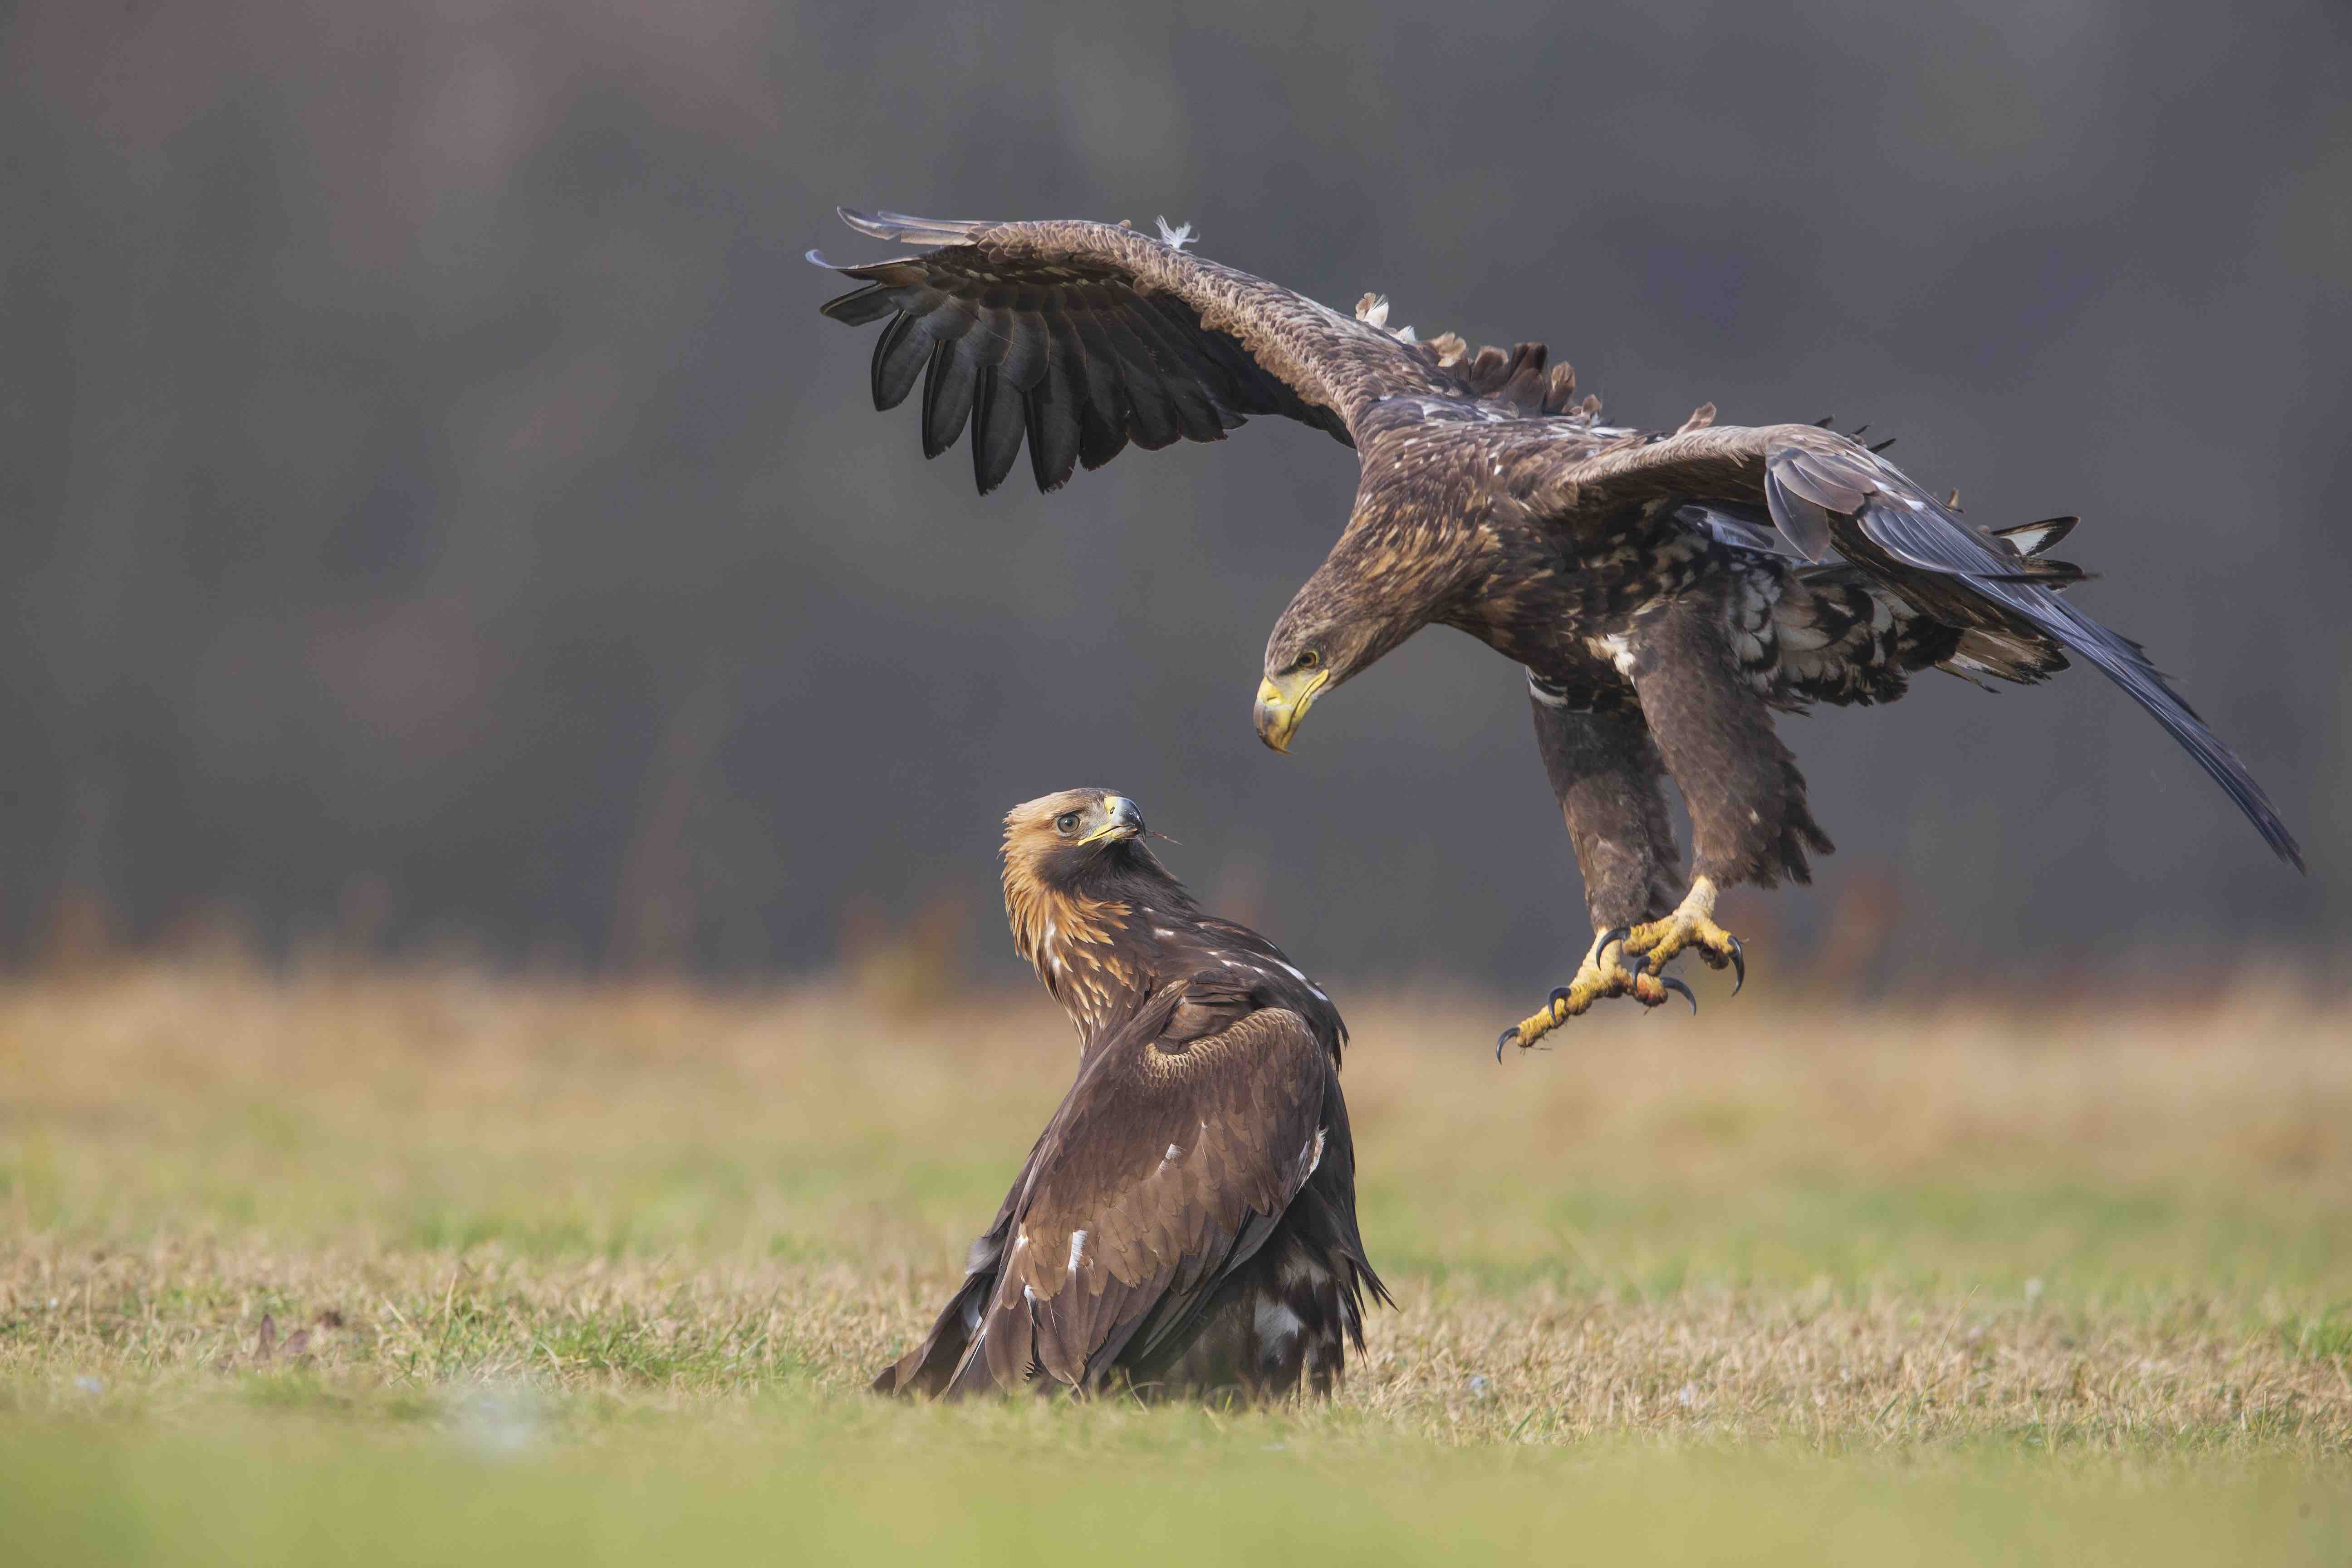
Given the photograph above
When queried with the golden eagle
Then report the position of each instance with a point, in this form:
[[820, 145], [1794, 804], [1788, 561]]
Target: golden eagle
[[1665, 591], [1187, 1221]]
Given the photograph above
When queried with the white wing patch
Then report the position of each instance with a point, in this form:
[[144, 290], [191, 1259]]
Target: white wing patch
[[1176, 236], [1300, 976], [1077, 1246]]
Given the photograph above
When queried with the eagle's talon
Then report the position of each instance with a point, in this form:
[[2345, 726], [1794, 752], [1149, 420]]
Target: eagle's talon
[[1656, 944], [1605, 972]]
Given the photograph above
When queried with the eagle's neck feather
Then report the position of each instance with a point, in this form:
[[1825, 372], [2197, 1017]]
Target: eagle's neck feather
[[1095, 937], [1078, 945]]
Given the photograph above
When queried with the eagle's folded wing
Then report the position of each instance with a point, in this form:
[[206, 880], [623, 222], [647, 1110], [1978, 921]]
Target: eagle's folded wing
[[1165, 1169]]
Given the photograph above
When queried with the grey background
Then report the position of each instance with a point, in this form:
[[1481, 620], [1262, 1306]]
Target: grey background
[[431, 507]]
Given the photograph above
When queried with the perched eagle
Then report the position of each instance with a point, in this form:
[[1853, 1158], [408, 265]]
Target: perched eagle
[[1187, 1221], [1664, 591]]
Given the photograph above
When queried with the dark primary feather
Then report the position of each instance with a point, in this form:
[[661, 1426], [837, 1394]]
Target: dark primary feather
[[999, 420], [899, 355], [1052, 411], [948, 387]]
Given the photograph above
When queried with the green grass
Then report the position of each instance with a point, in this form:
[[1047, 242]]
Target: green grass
[[797, 1478], [585, 1273]]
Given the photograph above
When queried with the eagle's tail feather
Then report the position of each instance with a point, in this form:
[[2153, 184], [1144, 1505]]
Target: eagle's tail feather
[[2004, 655]]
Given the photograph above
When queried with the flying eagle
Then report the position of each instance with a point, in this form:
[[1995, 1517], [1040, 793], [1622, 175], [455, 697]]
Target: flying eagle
[[1665, 591], [1187, 1221]]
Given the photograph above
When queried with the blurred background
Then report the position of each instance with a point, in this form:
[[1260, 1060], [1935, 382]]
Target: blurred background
[[433, 515]]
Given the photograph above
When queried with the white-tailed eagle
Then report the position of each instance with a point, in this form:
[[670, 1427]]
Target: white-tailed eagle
[[1665, 591]]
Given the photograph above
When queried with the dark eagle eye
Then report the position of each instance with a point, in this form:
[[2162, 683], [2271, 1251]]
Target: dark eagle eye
[[1311, 659], [1067, 823]]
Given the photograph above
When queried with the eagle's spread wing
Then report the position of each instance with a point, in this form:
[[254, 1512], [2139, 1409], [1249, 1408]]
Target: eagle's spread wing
[[1081, 337], [1182, 1143], [1831, 499]]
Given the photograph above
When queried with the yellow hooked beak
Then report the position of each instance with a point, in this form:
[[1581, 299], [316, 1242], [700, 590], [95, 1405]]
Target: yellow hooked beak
[[1283, 701], [1122, 819]]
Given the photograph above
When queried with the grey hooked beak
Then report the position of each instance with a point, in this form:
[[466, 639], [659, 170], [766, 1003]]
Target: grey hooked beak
[[1122, 818]]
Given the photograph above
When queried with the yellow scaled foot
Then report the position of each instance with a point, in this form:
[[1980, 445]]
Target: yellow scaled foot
[[1691, 925], [1602, 974]]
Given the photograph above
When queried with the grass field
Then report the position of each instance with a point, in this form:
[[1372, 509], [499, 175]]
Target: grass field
[[439, 1268]]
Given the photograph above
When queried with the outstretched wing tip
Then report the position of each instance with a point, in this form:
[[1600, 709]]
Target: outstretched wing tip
[[885, 224], [1804, 486], [1065, 337]]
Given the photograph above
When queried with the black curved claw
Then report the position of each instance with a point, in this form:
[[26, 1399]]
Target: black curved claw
[[1559, 993], [1739, 965], [1670, 984], [1509, 1037], [1615, 933]]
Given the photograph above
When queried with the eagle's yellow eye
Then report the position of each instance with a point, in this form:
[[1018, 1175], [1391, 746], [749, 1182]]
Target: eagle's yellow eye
[[1311, 659], [1067, 823]]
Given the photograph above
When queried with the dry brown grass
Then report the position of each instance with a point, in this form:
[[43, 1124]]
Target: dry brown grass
[[2091, 1231]]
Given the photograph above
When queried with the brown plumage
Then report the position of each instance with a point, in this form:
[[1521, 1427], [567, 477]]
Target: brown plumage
[[1665, 592], [1186, 1223]]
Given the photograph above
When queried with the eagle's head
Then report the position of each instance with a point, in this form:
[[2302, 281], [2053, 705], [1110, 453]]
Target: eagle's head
[[1368, 597], [1057, 841], [1080, 888]]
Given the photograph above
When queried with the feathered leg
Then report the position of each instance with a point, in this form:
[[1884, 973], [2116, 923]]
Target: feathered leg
[[1606, 773], [1750, 822]]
